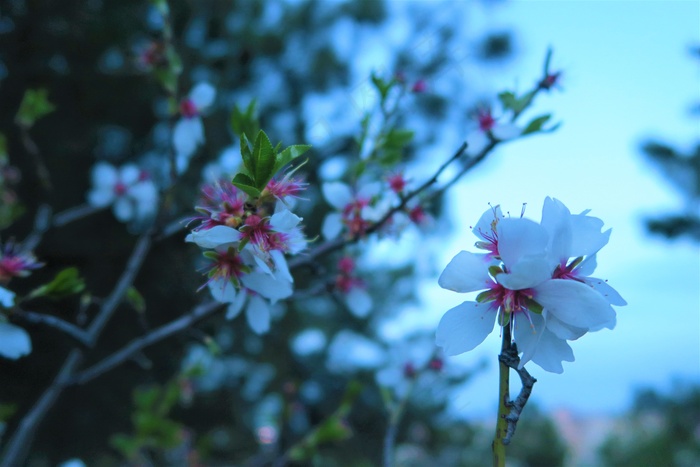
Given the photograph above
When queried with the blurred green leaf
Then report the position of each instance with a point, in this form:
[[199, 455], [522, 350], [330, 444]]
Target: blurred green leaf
[[288, 155], [35, 105], [536, 124], [246, 184], [263, 160], [66, 283], [245, 122], [135, 299]]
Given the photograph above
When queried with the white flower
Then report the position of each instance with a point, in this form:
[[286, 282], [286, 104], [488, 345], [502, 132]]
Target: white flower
[[128, 189], [544, 302], [188, 133], [355, 210], [14, 341], [489, 127], [350, 352]]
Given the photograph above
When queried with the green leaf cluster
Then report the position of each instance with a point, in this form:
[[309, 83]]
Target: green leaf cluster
[[332, 429], [66, 283], [245, 122], [510, 101], [262, 162], [35, 105], [153, 429]]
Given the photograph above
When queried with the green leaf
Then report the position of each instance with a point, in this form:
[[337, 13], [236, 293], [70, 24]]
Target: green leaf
[[510, 101], [145, 398], [245, 122], [35, 104], [67, 282], [264, 160], [288, 155], [382, 87], [535, 124], [247, 156], [135, 299], [246, 184], [6, 411]]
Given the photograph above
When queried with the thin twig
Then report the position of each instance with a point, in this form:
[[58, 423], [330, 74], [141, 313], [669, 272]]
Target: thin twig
[[31, 147], [55, 322], [73, 214], [117, 358], [20, 442], [510, 358], [338, 243]]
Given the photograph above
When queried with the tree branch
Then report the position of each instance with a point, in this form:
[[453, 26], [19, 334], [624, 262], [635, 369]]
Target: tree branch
[[117, 358], [55, 322], [338, 243]]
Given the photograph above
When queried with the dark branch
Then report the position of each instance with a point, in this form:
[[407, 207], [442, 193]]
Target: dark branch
[[339, 243], [57, 323], [157, 335]]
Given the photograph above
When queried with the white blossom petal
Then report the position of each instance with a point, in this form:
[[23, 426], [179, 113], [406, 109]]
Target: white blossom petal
[[337, 194], [464, 327], [123, 209], [551, 351], [476, 142], [466, 272], [129, 174], [7, 297], [526, 273], [505, 131], [202, 96], [359, 302], [101, 196], [272, 287], [14, 341], [518, 238], [187, 135], [563, 330], [236, 305], [214, 237], [602, 287], [281, 267], [223, 291], [575, 304], [104, 175], [527, 333], [258, 314], [284, 221], [484, 227], [332, 226]]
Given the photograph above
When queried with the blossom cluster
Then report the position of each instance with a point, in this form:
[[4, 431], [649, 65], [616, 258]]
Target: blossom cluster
[[14, 341], [534, 278], [246, 239]]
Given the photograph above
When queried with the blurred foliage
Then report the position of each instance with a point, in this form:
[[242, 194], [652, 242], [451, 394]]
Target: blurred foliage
[[682, 169], [659, 430]]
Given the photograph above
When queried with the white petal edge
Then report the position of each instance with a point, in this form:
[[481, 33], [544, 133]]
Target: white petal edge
[[14, 341], [466, 272], [464, 327]]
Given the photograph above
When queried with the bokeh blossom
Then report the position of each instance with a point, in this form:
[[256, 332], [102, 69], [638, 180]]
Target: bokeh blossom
[[128, 189]]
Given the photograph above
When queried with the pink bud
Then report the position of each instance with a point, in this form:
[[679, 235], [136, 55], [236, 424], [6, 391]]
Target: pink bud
[[188, 109], [419, 86]]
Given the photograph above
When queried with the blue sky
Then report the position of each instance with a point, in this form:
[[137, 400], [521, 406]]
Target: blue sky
[[627, 77]]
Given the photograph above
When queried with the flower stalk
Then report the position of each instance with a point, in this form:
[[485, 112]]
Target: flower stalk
[[499, 446]]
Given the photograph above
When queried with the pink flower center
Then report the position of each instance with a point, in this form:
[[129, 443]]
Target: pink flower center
[[397, 183], [346, 265], [188, 109], [120, 188], [352, 217], [486, 120]]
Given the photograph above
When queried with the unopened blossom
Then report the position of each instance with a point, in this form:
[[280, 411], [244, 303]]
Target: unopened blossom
[[188, 133], [488, 128], [352, 289], [128, 189], [523, 286], [15, 263]]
